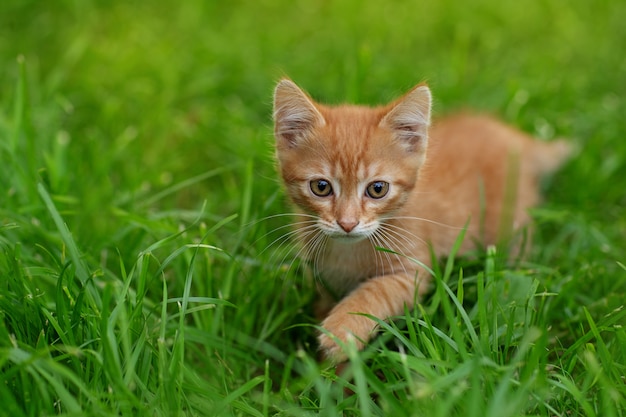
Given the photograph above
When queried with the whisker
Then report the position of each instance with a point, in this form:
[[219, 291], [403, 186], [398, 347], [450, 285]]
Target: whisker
[[422, 219], [294, 257], [305, 223], [309, 250], [273, 216], [403, 250], [392, 228], [383, 243], [398, 238], [394, 243], [372, 240], [387, 236], [288, 235], [317, 252], [251, 224], [298, 235], [378, 254]]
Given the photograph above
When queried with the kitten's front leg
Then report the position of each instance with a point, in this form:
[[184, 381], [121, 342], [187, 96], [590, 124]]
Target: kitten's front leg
[[381, 297]]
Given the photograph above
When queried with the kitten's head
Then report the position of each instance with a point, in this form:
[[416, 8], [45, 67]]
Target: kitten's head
[[350, 166]]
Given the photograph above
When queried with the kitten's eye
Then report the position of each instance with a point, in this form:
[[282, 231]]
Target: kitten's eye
[[377, 189], [321, 188]]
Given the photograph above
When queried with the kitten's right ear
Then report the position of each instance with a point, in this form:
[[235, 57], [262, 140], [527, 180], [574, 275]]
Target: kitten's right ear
[[295, 113]]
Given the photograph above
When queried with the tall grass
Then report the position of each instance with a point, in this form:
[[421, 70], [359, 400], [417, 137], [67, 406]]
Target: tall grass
[[141, 266]]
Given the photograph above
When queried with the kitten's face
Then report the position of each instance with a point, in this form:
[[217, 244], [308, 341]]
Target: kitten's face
[[348, 173], [349, 166]]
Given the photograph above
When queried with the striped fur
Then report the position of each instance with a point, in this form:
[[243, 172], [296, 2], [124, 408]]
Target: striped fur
[[464, 168]]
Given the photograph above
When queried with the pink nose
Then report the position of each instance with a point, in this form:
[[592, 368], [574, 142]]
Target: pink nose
[[347, 225]]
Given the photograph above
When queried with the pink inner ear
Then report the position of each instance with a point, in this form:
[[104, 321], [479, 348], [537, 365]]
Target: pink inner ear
[[290, 130], [295, 113], [410, 118], [413, 138]]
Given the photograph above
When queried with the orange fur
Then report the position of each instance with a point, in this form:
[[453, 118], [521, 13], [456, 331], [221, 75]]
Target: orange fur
[[463, 169]]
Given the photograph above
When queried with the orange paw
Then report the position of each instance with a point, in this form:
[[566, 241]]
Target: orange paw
[[347, 329]]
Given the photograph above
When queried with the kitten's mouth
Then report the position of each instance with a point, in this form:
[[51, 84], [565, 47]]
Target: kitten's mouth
[[348, 237]]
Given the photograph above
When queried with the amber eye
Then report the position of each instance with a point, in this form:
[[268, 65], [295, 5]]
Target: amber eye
[[321, 188], [377, 189]]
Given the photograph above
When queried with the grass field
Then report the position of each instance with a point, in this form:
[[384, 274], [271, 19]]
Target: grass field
[[137, 271]]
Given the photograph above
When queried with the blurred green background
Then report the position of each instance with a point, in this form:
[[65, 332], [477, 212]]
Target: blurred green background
[[134, 96], [141, 117]]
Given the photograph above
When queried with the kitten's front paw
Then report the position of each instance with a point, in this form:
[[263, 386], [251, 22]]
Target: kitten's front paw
[[348, 329], [331, 350]]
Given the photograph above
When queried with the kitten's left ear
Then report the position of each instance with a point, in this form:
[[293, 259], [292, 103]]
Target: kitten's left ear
[[295, 113], [409, 118]]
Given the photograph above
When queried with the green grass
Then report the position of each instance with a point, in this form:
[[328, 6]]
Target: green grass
[[136, 174]]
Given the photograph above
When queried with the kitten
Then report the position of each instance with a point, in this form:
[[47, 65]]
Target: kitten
[[382, 177]]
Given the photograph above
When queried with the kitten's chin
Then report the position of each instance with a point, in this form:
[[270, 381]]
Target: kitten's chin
[[348, 238]]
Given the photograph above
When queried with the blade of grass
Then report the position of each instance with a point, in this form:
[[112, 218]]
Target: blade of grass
[[77, 260]]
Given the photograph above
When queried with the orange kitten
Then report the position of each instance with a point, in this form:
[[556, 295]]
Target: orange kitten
[[382, 177]]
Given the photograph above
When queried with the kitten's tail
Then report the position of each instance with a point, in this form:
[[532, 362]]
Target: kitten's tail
[[547, 157]]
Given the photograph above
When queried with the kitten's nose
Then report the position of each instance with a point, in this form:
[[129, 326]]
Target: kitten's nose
[[347, 225]]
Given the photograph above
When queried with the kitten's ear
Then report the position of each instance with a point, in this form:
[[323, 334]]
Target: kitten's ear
[[409, 118], [295, 113]]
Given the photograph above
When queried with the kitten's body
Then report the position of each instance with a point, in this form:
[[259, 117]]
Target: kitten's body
[[466, 169]]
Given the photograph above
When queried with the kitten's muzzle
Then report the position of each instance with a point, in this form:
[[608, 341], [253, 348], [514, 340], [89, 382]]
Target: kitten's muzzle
[[347, 225]]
